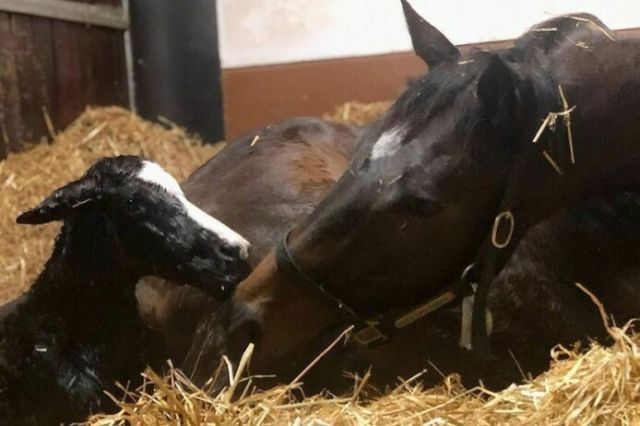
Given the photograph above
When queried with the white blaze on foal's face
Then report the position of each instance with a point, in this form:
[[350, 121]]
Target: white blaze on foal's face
[[153, 173]]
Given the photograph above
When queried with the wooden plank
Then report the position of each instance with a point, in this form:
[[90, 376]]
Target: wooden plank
[[42, 39], [106, 54], [89, 68], [71, 83], [5, 59], [10, 123], [92, 14], [31, 74], [109, 2]]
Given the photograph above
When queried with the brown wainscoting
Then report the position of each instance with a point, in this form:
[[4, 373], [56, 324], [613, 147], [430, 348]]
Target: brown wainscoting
[[257, 96]]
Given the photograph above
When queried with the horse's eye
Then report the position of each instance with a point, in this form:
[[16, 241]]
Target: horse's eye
[[423, 206]]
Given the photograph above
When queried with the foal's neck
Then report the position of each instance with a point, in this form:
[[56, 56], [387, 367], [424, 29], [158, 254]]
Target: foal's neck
[[84, 284]]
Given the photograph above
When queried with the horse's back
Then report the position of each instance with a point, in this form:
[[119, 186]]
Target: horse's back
[[266, 180], [259, 185], [596, 244]]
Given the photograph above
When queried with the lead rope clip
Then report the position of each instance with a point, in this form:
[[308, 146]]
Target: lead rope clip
[[466, 324]]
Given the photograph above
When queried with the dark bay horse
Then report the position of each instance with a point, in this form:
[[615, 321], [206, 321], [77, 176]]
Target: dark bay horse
[[534, 302], [260, 185], [466, 144]]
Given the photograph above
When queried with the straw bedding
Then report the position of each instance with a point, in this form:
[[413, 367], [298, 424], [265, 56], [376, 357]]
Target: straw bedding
[[600, 386]]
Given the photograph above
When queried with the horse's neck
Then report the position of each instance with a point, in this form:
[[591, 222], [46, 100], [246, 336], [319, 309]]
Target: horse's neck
[[604, 86]]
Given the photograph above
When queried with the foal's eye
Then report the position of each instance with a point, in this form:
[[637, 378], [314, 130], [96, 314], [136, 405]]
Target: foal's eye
[[131, 205]]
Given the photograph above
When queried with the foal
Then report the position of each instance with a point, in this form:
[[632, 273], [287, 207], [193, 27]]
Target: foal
[[77, 330]]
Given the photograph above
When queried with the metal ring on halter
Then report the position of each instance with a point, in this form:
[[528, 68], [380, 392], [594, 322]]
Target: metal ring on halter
[[508, 216]]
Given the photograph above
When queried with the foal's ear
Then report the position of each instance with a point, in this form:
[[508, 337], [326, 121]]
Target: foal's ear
[[428, 43], [497, 92], [60, 203]]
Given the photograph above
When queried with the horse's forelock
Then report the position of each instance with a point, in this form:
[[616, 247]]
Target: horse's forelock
[[428, 96]]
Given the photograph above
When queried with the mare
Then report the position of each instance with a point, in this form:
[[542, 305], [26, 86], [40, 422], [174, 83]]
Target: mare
[[465, 150]]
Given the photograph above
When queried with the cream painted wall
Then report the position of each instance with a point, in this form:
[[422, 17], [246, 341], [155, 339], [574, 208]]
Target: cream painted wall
[[261, 32]]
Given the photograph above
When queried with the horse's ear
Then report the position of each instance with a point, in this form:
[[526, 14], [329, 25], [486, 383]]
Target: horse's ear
[[61, 202], [428, 43], [497, 92]]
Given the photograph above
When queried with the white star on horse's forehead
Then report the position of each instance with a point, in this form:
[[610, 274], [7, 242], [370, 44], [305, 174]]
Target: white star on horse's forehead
[[388, 143]]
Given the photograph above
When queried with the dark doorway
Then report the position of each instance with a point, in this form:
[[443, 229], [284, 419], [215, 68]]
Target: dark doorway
[[177, 64]]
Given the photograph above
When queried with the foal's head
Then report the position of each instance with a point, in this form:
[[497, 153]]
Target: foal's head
[[150, 222]]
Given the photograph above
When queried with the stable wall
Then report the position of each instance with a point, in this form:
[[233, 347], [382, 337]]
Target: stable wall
[[292, 57]]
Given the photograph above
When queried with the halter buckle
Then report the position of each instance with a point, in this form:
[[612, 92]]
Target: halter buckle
[[369, 334], [507, 217]]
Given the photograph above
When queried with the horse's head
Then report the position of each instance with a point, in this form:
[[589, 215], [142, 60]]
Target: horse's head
[[140, 211]]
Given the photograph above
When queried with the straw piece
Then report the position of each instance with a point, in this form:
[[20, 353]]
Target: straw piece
[[567, 122], [542, 128], [246, 356], [598, 27], [551, 161], [49, 123], [550, 123]]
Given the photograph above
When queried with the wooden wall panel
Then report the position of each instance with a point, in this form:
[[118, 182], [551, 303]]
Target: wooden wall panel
[[107, 2], [45, 64], [71, 80], [11, 124], [108, 62], [31, 74], [58, 66]]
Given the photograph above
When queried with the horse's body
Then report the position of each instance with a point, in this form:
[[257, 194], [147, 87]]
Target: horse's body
[[260, 185], [427, 182], [534, 302]]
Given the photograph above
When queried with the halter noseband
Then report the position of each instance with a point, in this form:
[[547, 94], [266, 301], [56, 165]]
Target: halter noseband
[[371, 332]]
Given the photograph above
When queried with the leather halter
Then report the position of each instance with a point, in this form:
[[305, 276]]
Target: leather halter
[[492, 253], [371, 332], [374, 331]]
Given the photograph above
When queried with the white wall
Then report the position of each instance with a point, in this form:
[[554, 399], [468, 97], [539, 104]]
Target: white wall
[[260, 32]]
